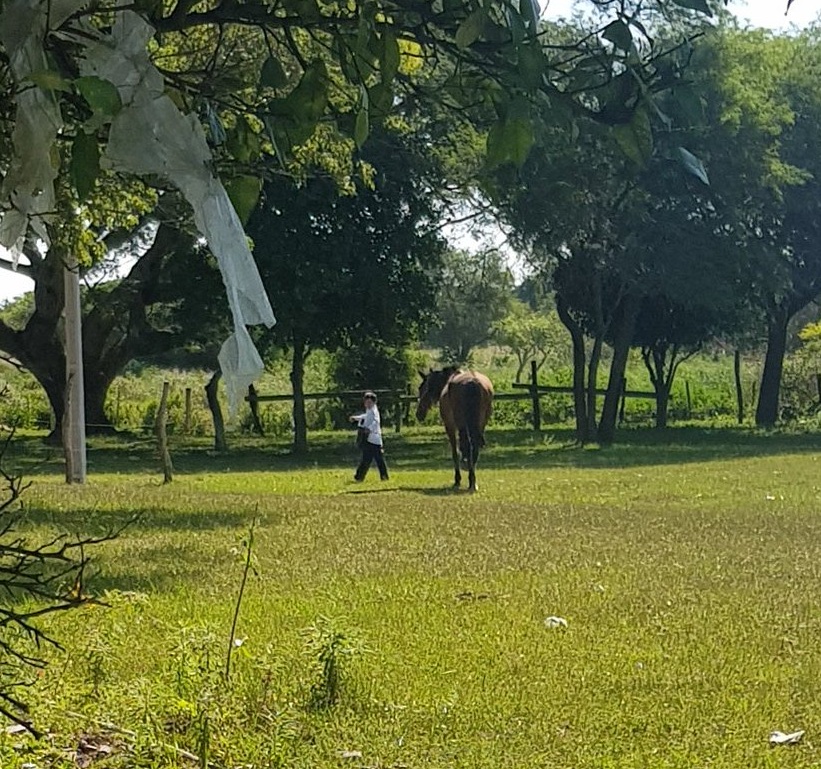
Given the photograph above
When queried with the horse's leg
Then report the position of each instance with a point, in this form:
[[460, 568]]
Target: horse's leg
[[457, 474], [473, 456]]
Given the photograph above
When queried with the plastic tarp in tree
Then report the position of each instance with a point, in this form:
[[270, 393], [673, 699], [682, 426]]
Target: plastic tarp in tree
[[148, 136]]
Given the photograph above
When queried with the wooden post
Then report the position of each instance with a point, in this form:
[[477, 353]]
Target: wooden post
[[534, 396], [117, 407], [397, 413], [407, 410], [253, 402], [623, 398], [186, 426], [689, 399], [211, 388], [74, 417], [739, 392], [162, 436]]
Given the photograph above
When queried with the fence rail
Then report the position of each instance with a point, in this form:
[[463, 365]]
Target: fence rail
[[532, 391]]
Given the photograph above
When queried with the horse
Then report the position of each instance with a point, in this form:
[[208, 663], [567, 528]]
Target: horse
[[465, 402]]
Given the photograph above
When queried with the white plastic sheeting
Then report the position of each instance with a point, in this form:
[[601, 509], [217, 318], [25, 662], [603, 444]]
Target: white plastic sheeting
[[28, 188], [149, 136]]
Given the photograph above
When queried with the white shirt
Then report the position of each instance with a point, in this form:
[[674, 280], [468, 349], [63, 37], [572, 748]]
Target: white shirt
[[371, 420]]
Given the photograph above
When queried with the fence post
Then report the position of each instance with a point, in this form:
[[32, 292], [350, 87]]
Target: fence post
[[534, 395], [162, 436], [397, 412], [623, 398], [186, 426], [739, 392], [254, 404], [407, 410]]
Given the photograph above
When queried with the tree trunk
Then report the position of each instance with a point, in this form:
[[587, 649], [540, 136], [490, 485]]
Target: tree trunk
[[655, 361], [577, 338], [621, 349], [97, 383], [592, 385], [220, 443], [766, 413], [739, 390], [298, 388], [113, 333]]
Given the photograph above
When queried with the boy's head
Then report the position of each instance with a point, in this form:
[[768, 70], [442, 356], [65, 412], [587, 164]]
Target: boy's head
[[369, 398]]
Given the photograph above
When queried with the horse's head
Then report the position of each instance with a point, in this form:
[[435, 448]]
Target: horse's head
[[431, 388]]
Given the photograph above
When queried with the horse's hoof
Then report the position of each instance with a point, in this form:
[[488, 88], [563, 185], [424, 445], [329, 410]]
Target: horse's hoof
[[473, 489]]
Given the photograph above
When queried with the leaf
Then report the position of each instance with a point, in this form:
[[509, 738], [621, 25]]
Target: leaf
[[697, 5], [509, 140], [690, 105], [361, 129], [380, 101], [243, 191], [242, 141], [531, 11], [390, 56], [362, 126], [618, 33], [693, 164], [470, 30], [49, 80], [272, 74], [101, 95], [85, 163], [636, 138], [531, 65]]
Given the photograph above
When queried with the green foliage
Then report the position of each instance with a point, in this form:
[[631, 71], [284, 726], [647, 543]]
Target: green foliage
[[535, 335], [329, 644], [474, 293], [341, 268], [23, 404], [666, 555]]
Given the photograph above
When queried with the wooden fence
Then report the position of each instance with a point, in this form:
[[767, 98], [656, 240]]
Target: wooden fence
[[531, 391]]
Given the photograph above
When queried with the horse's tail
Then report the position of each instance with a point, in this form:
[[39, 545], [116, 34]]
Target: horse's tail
[[472, 413]]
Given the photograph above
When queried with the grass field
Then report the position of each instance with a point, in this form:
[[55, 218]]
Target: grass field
[[688, 570]]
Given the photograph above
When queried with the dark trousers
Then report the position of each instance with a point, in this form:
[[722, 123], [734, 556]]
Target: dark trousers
[[371, 453]]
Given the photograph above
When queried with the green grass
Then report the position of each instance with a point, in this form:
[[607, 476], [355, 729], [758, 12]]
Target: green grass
[[688, 569]]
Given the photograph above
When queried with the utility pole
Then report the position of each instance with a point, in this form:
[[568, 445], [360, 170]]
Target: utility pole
[[74, 414]]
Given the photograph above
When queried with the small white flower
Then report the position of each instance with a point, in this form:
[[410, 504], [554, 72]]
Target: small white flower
[[554, 622], [239, 642]]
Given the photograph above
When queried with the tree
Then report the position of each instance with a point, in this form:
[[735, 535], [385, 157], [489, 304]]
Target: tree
[[341, 269], [266, 94], [474, 292], [769, 109], [530, 334]]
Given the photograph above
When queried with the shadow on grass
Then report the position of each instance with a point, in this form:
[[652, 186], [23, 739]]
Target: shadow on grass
[[447, 491], [93, 522], [422, 449]]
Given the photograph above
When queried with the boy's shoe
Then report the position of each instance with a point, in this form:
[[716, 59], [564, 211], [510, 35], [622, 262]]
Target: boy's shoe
[[384, 478]]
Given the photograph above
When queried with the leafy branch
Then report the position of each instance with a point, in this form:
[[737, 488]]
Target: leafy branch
[[36, 580]]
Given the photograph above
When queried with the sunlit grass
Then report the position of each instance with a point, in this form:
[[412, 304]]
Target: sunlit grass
[[689, 574]]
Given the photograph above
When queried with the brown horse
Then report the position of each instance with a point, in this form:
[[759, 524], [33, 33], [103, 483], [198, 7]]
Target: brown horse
[[465, 402]]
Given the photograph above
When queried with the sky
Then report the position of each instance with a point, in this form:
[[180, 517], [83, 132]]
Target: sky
[[759, 13]]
